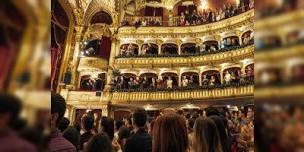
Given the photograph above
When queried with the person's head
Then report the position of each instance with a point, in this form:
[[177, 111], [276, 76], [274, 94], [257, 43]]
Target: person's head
[[10, 107], [191, 122], [123, 135], [58, 107], [63, 124], [118, 124], [107, 126], [222, 131], [100, 142], [212, 111], [87, 122], [170, 134], [139, 118], [206, 137], [72, 135]]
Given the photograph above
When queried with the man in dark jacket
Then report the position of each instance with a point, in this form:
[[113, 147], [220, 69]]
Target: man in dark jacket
[[141, 141]]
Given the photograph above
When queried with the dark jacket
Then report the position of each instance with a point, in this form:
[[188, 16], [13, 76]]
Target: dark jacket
[[141, 141], [85, 137]]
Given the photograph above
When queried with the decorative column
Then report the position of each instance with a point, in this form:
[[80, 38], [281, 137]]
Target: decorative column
[[104, 110], [114, 47], [179, 78], [200, 78], [239, 35], [159, 43], [219, 41], [139, 42], [75, 59], [222, 75], [179, 43]]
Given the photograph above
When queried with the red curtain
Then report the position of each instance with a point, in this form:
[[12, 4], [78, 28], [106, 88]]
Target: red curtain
[[105, 48]]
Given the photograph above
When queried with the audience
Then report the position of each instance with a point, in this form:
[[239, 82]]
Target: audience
[[63, 124], [140, 141], [194, 18], [99, 143], [57, 142], [206, 136], [170, 134], [87, 124], [213, 129], [10, 108]]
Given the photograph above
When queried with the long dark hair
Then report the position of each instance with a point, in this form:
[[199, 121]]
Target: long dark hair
[[226, 147], [99, 143], [170, 134], [107, 125], [206, 136]]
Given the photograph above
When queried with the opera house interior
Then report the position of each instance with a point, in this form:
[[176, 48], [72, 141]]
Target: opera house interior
[[194, 57]]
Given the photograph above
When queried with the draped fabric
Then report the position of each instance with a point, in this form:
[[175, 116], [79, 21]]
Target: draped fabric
[[6, 60], [154, 11], [105, 48]]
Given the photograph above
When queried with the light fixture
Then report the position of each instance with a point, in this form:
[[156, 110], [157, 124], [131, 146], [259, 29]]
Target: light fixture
[[204, 4]]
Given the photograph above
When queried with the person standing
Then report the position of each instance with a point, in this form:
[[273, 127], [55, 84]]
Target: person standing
[[141, 141]]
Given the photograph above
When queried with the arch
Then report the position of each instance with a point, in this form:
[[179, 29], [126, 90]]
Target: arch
[[129, 49], [192, 77], [246, 37], [169, 48], [101, 17], [98, 6], [189, 48], [234, 71], [210, 45], [208, 74], [230, 41], [172, 75], [92, 48], [149, 48]]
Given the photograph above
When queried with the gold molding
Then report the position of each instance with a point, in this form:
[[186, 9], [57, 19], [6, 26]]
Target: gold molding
[[126, 97], [92, 63], [229, 56]]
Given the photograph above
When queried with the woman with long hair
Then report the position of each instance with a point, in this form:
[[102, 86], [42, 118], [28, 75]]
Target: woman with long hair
[[206, 137], [170, 134]]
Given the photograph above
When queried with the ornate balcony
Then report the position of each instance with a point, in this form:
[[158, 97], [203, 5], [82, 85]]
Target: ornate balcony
[[92, 63], [218, 58], [120, 97], [239, 20]]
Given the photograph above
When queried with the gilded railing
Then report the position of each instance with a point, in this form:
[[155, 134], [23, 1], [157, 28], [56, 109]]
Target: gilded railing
[[82, 96], [238, 54], [92, 63], [182, 95]]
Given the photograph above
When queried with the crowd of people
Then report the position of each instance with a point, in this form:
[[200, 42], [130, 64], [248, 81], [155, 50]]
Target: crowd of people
[[194, 17], [229, 43], [230, 78], [209, 16], [209, 130], [90, 83], [284, 131]]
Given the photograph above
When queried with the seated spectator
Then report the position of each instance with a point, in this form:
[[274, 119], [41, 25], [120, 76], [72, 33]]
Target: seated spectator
[[141, 141]]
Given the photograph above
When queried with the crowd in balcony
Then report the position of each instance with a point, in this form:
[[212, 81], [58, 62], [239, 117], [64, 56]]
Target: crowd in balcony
[[194, 17], [187, 49], [211, 79], [89, 83], [209, 16]]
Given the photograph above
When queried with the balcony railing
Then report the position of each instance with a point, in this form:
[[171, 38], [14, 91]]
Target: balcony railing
[[87, 63], [183, 95], [199, 59]]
